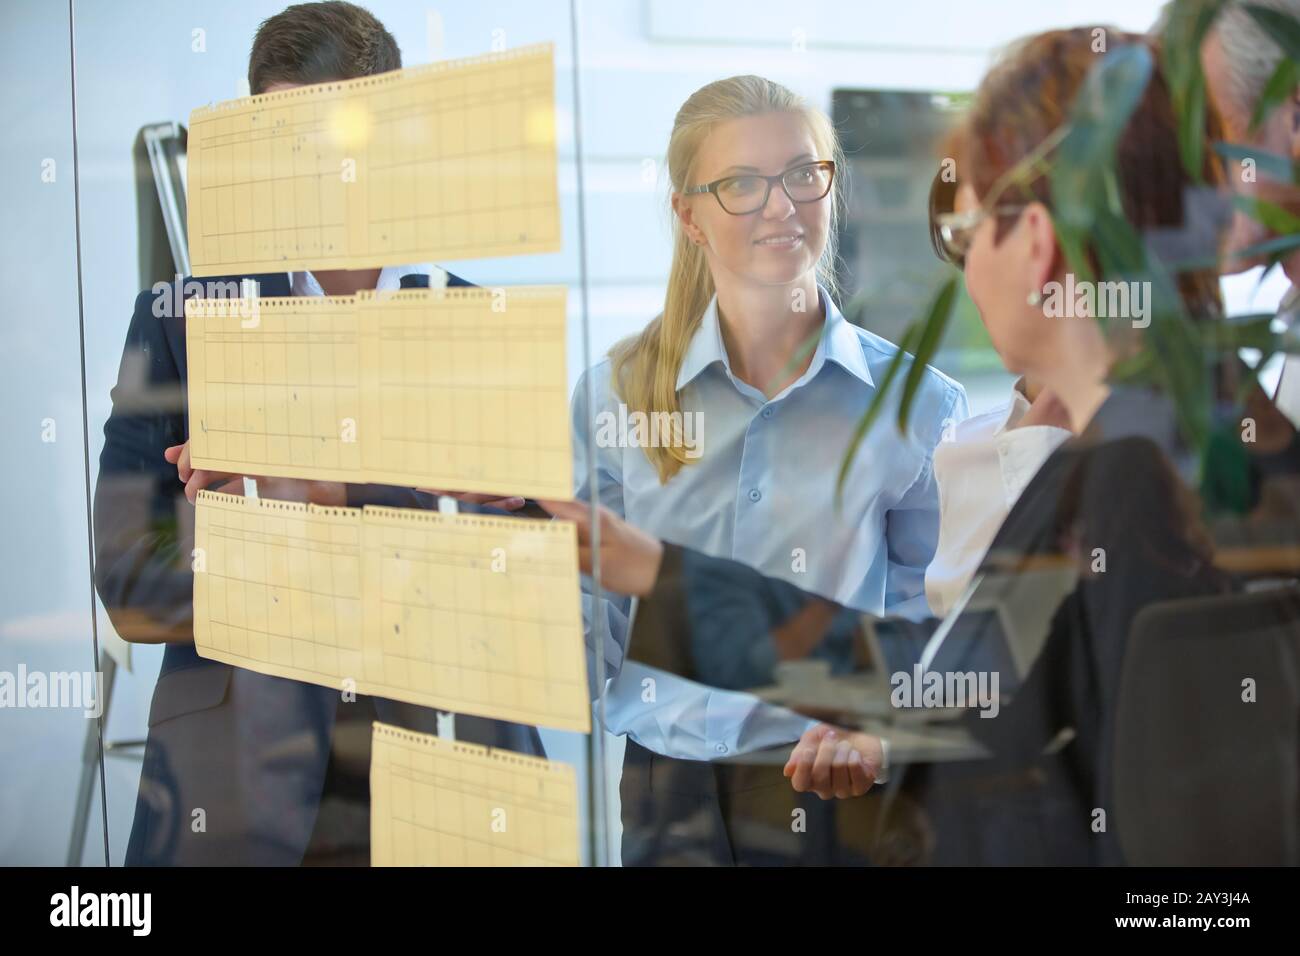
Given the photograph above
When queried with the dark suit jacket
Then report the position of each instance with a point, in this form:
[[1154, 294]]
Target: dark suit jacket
[[247, 750], [1114, 504]]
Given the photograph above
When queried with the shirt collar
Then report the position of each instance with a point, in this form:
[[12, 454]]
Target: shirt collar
[[839, 344], [390, 277], [844, 346], [1016, 408]]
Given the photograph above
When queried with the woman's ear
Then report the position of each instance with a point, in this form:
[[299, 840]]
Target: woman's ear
[[685, 215], [1041, 239]]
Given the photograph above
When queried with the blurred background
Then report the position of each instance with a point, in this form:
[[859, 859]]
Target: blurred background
[[85, 232]]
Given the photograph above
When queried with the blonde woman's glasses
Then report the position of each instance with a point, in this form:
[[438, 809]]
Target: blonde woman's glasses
[[741, 195]]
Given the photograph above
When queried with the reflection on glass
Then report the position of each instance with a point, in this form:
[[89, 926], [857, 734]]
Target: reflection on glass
[[1043, 611]]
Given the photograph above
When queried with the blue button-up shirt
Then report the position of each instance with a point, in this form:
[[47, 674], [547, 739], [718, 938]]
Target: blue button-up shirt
[[762, 491]]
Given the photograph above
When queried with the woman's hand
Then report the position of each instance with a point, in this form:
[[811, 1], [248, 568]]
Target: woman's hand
[[629, 558], [834, 762]]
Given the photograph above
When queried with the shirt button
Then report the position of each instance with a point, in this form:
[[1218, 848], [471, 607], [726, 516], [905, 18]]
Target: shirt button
[[755, 494], [720, 748], [767, 412]]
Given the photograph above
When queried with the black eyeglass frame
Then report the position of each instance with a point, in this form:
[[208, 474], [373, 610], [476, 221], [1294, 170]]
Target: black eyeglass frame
[[767, 193]]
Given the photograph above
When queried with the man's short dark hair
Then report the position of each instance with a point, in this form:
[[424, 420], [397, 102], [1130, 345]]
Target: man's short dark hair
[[318, 43]]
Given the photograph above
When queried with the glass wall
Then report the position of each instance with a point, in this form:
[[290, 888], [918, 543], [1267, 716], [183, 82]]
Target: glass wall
[[52, 801], [755, 566]]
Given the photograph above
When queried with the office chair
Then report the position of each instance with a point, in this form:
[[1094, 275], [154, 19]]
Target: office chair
[[1203, 777]]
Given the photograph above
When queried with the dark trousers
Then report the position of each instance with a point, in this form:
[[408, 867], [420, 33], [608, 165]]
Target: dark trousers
[[341, 834], [697, 813], [968, 813]]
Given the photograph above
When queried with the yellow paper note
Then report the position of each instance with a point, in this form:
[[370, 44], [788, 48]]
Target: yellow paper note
[[468, 613], [458, 389], [437, 802], [452, 160], [278, 588]]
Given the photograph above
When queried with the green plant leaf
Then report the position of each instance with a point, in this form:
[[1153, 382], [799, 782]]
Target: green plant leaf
[[1272, 164], [873, 410], [1281, 28], [936, 323], [1278, 89], [1250, 380], [1120, 250], [1180, 51], [1284, 30], [1276, 248], [910, 341], [1082, 177], [1254, 331], [1191, 130], [1181, 358], [1270, 214]]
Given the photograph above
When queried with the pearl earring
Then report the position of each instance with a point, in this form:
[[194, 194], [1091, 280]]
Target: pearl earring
[[1034, 298]]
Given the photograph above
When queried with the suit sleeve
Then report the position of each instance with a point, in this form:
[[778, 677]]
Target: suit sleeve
[[724, 624], [143, 522], [143, 535]]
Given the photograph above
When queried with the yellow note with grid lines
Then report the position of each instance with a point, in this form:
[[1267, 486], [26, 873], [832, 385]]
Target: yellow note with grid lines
[[460, 389], [436, 802], [476, 614], [451, 160]]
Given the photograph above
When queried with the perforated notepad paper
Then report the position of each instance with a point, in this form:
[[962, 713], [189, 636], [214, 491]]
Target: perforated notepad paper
[[469, 613], [455, 389], [453, 160], [437, 802]]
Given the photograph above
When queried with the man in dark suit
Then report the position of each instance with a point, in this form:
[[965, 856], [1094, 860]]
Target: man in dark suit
[[239, 767]]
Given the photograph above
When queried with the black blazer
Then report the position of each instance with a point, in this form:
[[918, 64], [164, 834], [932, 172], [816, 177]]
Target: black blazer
[[1114, 503]]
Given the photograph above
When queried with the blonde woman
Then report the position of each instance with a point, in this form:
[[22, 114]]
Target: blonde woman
[[720, 427]]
